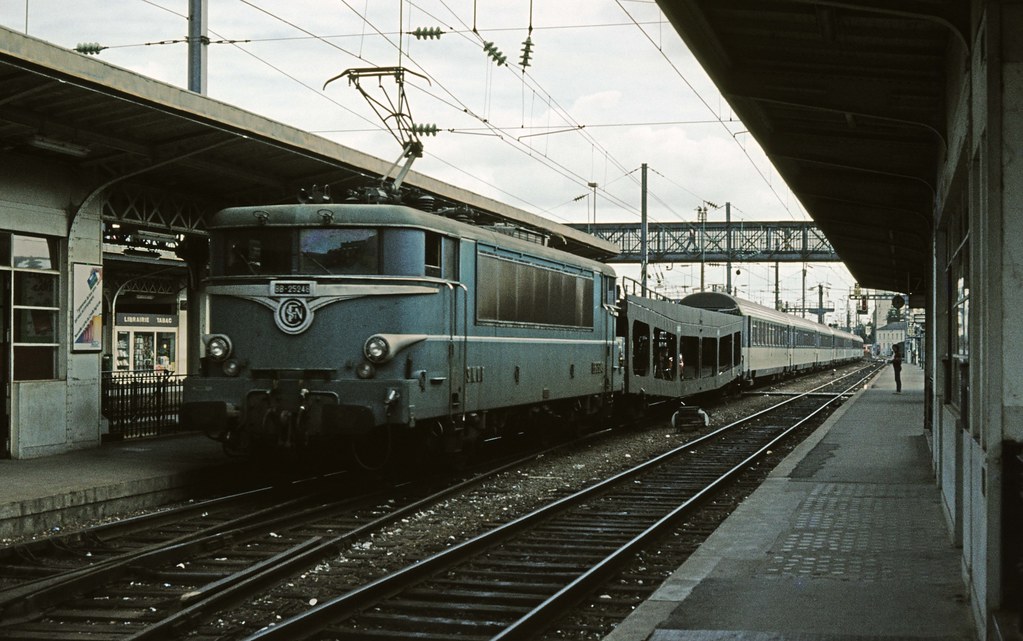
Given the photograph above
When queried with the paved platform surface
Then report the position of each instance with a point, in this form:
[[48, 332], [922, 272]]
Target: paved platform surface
[[38, 495], [845, 541]]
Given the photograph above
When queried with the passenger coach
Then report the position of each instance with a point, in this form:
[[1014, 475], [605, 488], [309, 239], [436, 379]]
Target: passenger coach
[[776, 343]]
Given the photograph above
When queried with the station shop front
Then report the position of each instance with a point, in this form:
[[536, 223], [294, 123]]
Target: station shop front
[[144, 341]]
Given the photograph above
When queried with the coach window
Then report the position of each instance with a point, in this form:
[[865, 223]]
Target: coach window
[[724, 353], [665, 355], [35, 334], [736, 349], [690, 357], [709, 352], [640, 348]]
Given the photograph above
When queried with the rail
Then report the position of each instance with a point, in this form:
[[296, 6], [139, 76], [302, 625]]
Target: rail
[[141, 403], [596, 530]]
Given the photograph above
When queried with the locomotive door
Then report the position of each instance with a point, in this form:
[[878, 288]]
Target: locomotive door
[[5, 361], [462, 390]]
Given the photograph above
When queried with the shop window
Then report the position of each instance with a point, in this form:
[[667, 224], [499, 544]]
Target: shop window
[[144, 348], [30, 252], [166, 352], [35, 330], [34, 363]]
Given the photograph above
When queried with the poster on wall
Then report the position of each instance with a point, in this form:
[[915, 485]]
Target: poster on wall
[[87, 301]]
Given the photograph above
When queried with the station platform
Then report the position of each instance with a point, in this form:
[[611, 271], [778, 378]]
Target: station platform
[[40, 495], [845, 541]]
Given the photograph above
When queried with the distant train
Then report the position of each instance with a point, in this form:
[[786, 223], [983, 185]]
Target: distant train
[[351, 328]]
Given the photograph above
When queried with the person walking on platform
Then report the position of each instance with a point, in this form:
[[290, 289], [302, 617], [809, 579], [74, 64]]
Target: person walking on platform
[[897, 367]]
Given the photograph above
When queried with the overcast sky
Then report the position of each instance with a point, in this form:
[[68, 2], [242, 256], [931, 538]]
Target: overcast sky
[[610, 86]]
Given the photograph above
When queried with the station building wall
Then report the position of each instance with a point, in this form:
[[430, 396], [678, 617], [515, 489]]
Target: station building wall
[[52, 391], [977, 370]]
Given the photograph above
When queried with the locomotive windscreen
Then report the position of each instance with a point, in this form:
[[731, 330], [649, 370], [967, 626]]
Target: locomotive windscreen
[[276, 251]]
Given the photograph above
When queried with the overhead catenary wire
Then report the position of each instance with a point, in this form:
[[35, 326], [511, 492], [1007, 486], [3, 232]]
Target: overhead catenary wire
[[700, 97], [506, 135], [501, 133]]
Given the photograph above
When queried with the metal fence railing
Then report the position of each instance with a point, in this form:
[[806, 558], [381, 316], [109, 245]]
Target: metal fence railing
[[141, 403]]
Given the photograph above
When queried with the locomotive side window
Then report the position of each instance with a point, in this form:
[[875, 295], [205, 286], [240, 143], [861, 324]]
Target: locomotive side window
[[514, 292], [434, 254], [440, 256]]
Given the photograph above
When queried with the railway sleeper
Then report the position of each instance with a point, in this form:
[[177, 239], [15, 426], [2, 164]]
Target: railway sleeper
[[399, 621], [476, 596]]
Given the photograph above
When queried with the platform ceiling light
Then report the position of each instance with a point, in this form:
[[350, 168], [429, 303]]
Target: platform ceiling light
[[59, 146]]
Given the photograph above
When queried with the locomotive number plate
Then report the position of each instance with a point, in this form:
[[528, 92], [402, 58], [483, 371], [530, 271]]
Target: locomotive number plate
[[291, 288]]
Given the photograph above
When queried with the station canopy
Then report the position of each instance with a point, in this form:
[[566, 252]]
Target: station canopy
[[847, 98], [114, 128]]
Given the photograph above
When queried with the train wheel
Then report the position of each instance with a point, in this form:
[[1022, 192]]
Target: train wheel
[[372, 451]]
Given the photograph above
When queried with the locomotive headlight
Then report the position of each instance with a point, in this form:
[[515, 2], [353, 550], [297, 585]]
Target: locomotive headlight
[[377, 349], [232, 367], [365, 370], [218, 347]]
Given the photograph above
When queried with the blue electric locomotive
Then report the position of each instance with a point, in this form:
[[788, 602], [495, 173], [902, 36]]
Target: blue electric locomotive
[[363, 323]]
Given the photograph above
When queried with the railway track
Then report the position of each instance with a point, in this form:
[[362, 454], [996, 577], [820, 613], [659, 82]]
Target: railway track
[[158, 576], [151, 576], [512, 581]]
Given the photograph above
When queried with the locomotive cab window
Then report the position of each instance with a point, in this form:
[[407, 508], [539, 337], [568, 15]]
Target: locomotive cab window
[[252, 252], [339, 251], [274, 252]]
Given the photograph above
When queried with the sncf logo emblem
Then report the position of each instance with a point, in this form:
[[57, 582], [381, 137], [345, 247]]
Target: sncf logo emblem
[[293, 316]]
